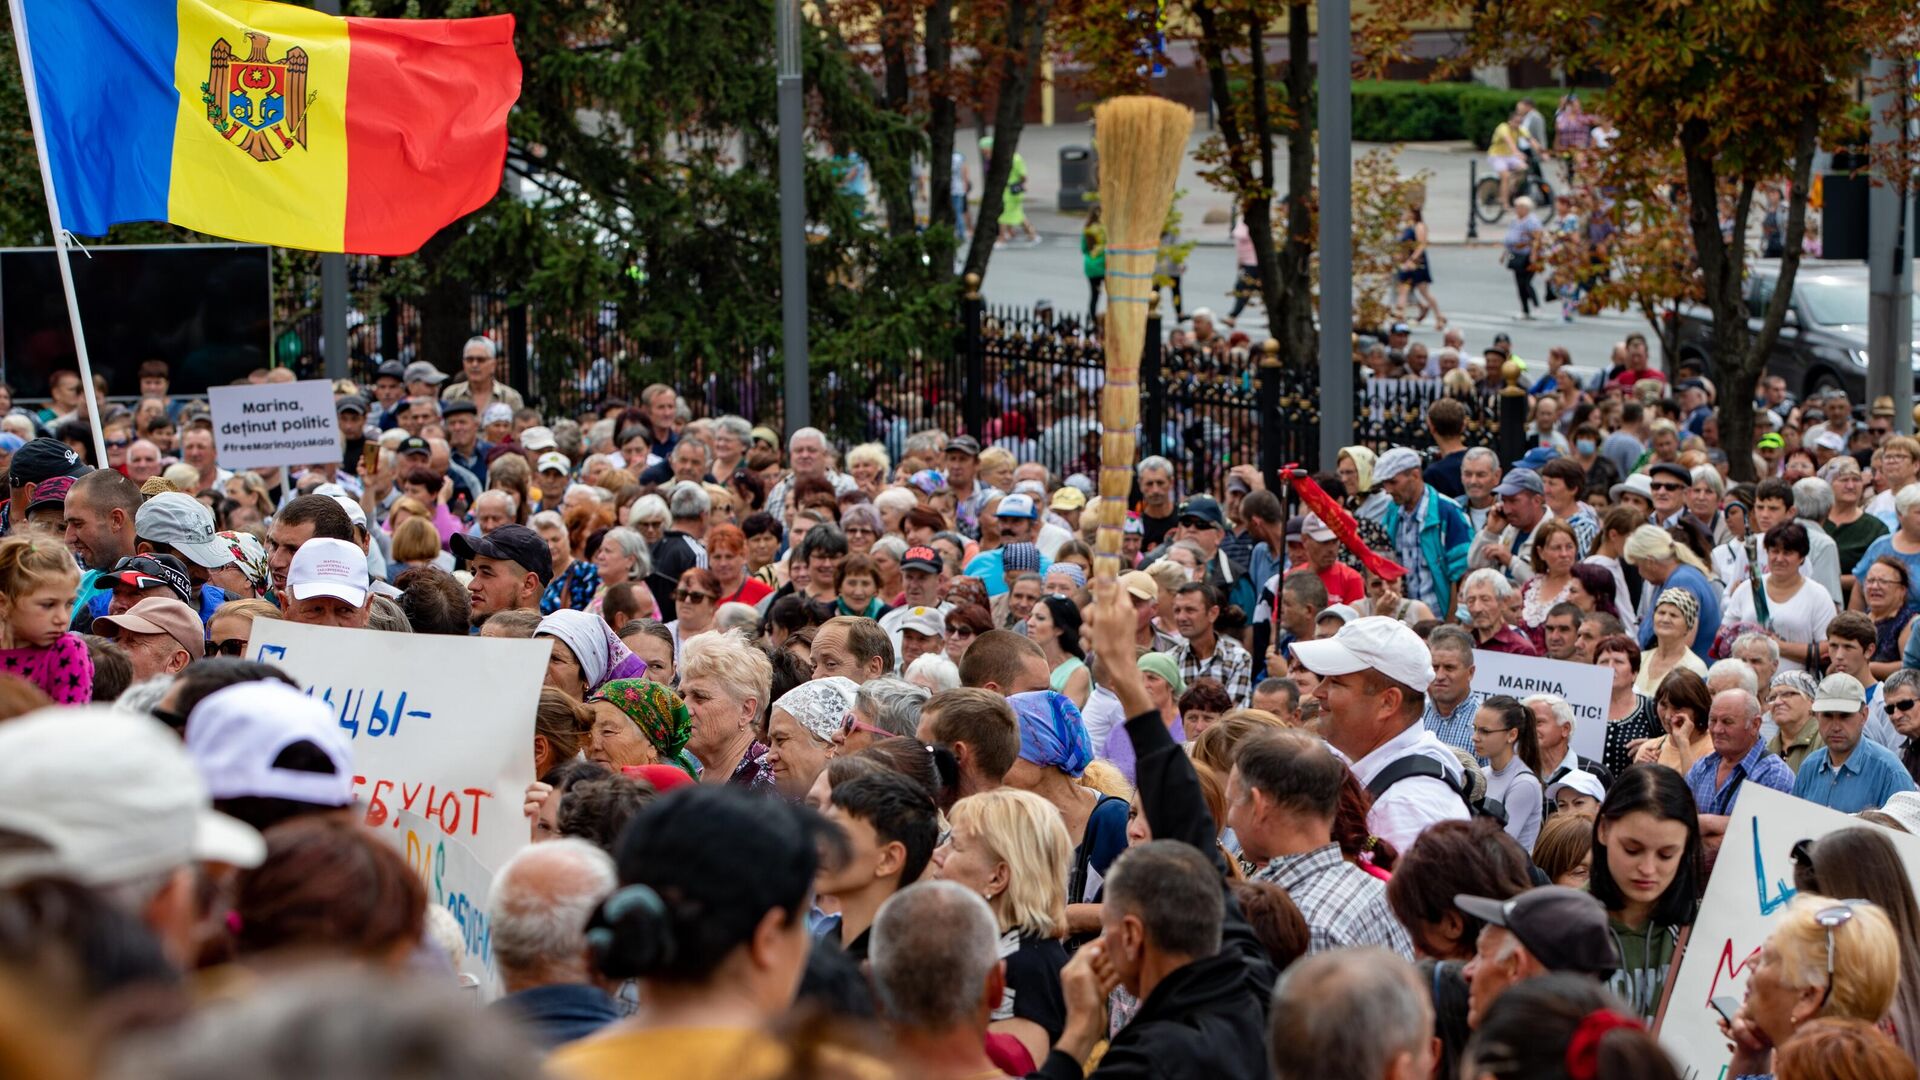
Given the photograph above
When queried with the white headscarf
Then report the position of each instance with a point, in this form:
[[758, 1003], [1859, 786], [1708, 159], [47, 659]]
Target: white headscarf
[[601, 653], [821, 706]]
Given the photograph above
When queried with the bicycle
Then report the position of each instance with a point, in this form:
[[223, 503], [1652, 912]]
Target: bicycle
[[1489, 208]]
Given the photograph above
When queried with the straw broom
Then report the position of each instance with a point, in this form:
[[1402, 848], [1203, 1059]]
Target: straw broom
[[1142, 141]]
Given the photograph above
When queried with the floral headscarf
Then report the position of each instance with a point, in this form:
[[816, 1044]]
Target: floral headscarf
[[821, 706], [658, 712], [1052, 734], [601, 653], [1683, 602], [250, 556]]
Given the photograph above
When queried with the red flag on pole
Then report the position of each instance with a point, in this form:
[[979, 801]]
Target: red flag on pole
[[1341, 522]]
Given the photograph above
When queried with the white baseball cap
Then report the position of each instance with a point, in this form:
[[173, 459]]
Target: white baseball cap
[[237, 734], [115, 797], [925, 620], [184, 524], [1373, 643], [538, 438], [555, 461], [1580, 781], [1829, 439], [328, 567], [1312, 526], [1017, 506]]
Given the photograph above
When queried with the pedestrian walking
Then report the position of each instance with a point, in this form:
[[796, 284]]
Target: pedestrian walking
[[1013, 201], [1093, 261], [1518, 252], [1415, 275], [1246, 287]]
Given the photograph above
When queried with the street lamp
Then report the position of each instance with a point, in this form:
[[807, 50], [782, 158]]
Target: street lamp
[[793, 216]]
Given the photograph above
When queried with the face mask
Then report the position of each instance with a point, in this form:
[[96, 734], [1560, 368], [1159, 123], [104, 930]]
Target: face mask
[[1585, 446]]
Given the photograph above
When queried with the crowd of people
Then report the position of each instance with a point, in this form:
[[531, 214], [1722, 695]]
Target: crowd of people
[[852, 763]]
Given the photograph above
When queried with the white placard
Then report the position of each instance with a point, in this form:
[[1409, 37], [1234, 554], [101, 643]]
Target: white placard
[[1586, 687], [441, 726], [1751, 886], [274, 424], [455, 880]]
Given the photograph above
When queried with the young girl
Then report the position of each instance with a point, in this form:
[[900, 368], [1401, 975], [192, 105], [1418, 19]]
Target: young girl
[[38, 582], [1647, 871]]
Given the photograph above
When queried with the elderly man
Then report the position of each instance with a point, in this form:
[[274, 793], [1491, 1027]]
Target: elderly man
[[1739, 756], [493, 509], [1539, 932], [1479, 475], [923, 586], [328, 585], [807, 454], [1344, 583], [1669, 483], [1509, 549], [1812, 502], [1848, 773], [1374, 676], [1431, 535], [1486, 594], [464, 446], [479, 361], [1451, 700], [853, 647], [1553, 727], [541, 902], [1158, 515], [1282, 795], [937, 970], [161, 636], [143, 461], [1314, 1004], [920, 631]]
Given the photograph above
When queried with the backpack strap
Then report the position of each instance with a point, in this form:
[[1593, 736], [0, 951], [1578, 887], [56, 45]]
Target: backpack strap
[[1406, 768]]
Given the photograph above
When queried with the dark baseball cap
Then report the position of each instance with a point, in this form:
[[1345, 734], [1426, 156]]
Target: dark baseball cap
[[515, 543], [51, 493], [152, 572], [964, 444], [392, 369], [44, 459], [1205, 508], [1565, 929], [414, 444], [452, 407], [922, 558], [351, 403]]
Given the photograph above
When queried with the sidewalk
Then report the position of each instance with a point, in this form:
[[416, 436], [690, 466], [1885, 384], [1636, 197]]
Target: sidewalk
[[1207, 211]]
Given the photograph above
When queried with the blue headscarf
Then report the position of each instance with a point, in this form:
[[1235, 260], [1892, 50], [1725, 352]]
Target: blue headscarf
[[1052, 735]]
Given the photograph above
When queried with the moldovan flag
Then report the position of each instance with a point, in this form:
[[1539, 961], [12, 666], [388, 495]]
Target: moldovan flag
[[270, 123]]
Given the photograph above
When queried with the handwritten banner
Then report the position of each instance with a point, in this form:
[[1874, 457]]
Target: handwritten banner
[[442, 727], [1751, 886], [1586, 687], [456, 881], [272, 424]]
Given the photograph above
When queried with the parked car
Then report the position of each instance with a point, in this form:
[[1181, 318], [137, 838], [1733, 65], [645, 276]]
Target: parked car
[[1823, 342]]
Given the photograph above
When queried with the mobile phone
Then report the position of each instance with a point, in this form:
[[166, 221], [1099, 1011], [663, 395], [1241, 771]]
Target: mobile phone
[[370, 457], [1726, 1005]]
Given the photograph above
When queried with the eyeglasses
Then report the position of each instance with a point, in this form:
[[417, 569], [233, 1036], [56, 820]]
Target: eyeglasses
[[1831, 919], [1491, 731], [233, 646], [1669, 486], [1902, 706], [685, 597]]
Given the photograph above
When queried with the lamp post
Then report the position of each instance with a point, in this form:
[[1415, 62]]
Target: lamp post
[[793, 218]]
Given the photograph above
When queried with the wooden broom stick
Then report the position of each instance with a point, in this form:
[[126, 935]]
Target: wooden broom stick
[[1142, 141]]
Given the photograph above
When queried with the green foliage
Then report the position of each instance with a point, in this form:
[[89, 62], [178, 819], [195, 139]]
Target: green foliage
[[1391, 111]]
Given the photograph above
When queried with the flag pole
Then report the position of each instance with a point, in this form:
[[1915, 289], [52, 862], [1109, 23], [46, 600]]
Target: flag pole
[[25, 49]]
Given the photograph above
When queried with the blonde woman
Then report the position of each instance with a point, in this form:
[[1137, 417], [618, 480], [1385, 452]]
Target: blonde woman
[[232, 626], [1668, 565], [869, 467], [1825, 958], [1011, 847]]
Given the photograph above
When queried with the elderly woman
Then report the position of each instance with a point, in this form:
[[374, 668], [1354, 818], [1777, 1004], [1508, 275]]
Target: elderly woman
[[248, 574], [1355, 468], [640, 722], [861, 523], [696, 598], [1674, 617], [886, 554], [965, 623], [725, 681], [1852, 528], [574, 580], [650, 516], [623, 556], [586, 653], [731, 436], [1886, 587], [1054, 751], [1669, 565], [869, 467], [807, 728], [1825, 958], [1703, 499], [1902, 544], [727, 559]]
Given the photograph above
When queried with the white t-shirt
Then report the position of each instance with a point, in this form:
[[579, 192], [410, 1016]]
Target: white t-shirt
[[1801, 620]]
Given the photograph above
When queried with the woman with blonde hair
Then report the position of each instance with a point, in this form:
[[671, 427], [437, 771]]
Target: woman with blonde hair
[[1011, 847], [249, 489], [415, 543], [1826, 958], [1216, 746], [869, 467]]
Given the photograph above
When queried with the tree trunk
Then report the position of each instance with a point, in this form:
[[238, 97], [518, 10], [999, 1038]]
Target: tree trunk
[[1253, 189], [1020, 56], [941, 122], [1740, 357], [1292, 322], [896, 185]]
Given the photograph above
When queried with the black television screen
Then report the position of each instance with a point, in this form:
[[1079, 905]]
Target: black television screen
[[206, 309]]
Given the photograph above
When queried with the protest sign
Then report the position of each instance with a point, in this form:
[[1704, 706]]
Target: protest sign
[[273, 424], [1586, 687], [441, 727], [1752, 885], [456, 881]]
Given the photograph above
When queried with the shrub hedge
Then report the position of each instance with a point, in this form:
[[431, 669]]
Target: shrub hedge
[[1395, 111]]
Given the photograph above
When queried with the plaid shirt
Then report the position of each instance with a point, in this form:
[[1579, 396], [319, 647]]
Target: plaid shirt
[[1230, 663], [1344, 906], [1454, 728], [1759, 766], [1419, 583]]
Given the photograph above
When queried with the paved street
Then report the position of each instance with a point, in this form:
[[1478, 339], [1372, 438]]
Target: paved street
[[1476, 293]]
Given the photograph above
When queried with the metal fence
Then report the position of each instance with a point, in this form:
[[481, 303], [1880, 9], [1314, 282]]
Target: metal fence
[[1393, 412]]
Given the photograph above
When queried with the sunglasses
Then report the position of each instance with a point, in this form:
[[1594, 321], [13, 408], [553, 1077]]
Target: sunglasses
[[854, 724], [1901, 706], [233, 646], [1669, 486], [960, 631], [685, 597]]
